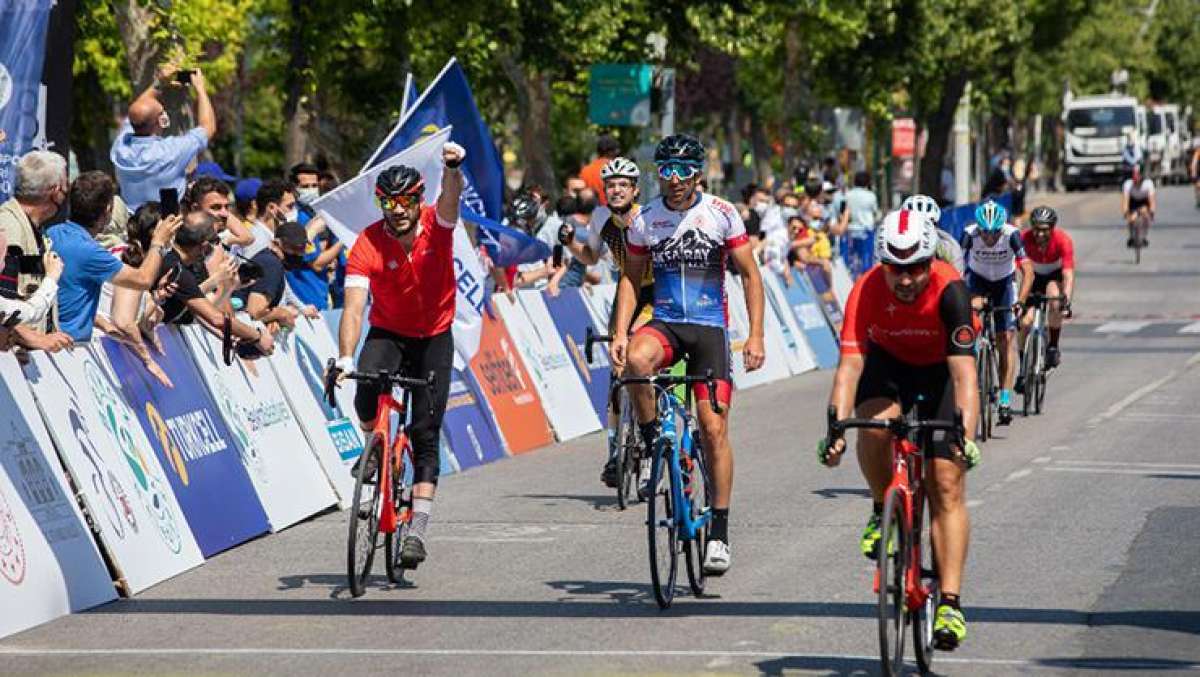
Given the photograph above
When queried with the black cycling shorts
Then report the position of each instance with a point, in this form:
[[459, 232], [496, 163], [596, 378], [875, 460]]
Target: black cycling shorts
[[415, 358], [705, 348], [645, 299], [929, 387], [1040, 282]]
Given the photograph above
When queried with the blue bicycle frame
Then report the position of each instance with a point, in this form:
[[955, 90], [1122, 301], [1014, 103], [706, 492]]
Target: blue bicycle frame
[[674, 445]]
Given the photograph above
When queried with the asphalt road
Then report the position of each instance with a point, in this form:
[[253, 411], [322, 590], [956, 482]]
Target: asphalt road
[[1084, 553]]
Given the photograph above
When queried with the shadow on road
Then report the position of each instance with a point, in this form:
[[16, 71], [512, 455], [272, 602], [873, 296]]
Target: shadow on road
[[603, 502], [336, 583], [621, 592], [1117, 664], [850, 665], [832, 665], [834, 492]]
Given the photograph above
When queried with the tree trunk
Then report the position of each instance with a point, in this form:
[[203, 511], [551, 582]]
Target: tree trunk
[[761, 150], [794, 92], [939, 125], [533, 118], [295, 104], [136, 22]]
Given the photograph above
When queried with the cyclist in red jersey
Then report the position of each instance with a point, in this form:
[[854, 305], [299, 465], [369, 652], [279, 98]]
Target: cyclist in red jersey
[[405, 261], [909, 337], [1053, 256]]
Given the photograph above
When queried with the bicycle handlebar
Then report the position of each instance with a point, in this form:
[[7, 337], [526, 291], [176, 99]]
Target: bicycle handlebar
[[592, 339], [383, 378], [898, 426], [665, 381]]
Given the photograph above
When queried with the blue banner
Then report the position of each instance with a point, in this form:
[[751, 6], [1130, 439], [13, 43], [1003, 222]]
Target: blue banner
[[506, 246], [957, 219], [467, 427], [196, 449], [806, 307], [22, 52], [572, 319]]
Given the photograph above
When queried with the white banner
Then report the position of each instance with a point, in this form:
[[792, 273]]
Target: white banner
[[469, 301], [282, 466], [600, 299], [561, 373], [114, 467], [842, 282], [299, 364], [49, 565], [775, 367], [799, 356], [551, 372]]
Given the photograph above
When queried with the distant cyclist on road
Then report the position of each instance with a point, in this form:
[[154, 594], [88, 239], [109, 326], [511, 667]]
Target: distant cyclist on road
[[405, 261], [1052, 253], [994, 253], [1137, 199], [609, 230], [688, 236], [909, 337]]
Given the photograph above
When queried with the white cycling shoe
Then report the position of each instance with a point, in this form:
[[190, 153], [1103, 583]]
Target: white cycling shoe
[[716, 558]]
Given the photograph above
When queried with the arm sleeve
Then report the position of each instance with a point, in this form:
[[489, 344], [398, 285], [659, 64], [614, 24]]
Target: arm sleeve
[[854, 327], [101, 265], [36, 307], [957, 318], [735, 228], [1017, 245], [595, 225], [361, 263]]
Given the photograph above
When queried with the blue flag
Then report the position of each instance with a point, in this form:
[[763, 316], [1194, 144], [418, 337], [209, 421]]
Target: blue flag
[[506, 246], [23, 27]]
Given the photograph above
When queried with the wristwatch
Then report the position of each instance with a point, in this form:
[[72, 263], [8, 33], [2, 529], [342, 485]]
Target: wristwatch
[[163, 250]]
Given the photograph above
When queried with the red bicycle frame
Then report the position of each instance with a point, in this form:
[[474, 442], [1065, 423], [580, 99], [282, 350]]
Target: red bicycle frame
[[908, 464], [389, 520]]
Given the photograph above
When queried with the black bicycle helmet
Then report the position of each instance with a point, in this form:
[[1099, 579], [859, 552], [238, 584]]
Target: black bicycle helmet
[[399, 180], [523, 208], [681, 148], [1044, 215]]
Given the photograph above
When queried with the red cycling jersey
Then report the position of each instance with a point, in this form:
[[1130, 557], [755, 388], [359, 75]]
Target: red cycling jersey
[[1059, 253], [922, 333], [412, 293]]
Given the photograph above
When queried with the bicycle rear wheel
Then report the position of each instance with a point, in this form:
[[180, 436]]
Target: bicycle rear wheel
[[700, 501], [661, 529], [922, 618], [1029, 370], [364, 516], [1039, 395], [895, 555], [625, 432], [985, 391], [402, 500]]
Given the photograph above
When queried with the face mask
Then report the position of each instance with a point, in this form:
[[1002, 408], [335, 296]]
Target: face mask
[[164, 120], [308, 195], [761, 208], [291, 215]]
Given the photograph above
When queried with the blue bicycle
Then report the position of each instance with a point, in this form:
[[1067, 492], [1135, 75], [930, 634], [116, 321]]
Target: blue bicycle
[[678, 505]]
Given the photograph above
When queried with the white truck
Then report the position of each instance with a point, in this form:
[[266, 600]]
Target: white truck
[[1095, 132], [1168, 143]]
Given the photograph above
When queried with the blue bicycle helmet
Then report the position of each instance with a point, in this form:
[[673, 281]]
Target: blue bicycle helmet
[[990, 216]]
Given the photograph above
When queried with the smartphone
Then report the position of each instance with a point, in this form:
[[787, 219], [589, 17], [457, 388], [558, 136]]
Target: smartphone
[[168, 200], [248, 271], [558, 255], [184, 77]]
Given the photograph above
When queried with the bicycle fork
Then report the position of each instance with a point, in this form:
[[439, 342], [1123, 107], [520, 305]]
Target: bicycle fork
[[388, 519], [915, 593]]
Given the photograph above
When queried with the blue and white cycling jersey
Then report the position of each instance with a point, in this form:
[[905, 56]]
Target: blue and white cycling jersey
[[993, 262], [688, 250]]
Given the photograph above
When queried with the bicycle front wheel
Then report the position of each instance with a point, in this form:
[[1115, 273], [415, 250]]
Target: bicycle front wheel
[[394, 541], [1029, 360], [661, 529], [894, 557], [922, 617], [364, 516], [1039, 395], [626, 441], [985, 391], [699, 501]]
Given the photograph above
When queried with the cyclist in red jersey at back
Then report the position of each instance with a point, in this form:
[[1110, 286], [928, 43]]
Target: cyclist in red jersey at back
[[909, 339], [405, 262], [1053, 256]]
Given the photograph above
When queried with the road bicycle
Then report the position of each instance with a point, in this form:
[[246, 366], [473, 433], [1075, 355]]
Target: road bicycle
[[382, 501], [1034, 371], [678, 505], [625, 446], [988, 368], [1138, 228], [906, 574]]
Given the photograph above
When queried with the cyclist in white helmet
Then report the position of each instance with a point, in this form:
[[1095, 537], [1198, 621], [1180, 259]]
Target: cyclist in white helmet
[[948, 249]]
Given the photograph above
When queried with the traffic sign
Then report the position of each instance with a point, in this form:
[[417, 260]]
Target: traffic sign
[[620, 94]]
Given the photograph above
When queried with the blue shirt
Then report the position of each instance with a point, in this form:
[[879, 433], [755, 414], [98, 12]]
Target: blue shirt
[[144, 164], [86, 267], [310, 286]]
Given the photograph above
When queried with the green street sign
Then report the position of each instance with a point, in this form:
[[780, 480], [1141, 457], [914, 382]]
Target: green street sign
[[620, 94]]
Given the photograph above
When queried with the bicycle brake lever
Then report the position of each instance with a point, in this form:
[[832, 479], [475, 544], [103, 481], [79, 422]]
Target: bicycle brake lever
[[330, 382], [587, 344]]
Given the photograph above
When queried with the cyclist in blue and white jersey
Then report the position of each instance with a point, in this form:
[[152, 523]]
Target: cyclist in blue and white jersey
[[688, 236], [993, 251]]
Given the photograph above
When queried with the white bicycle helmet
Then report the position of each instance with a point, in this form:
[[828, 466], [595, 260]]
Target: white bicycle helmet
[[924, 204], [905, 237], [620, 167]]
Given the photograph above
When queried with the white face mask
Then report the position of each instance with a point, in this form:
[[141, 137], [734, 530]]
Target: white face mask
[[761, 208], [292, 214], [308, 195]]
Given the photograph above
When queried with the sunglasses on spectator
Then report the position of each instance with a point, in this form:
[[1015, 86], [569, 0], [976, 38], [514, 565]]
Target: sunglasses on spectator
[[910, 269], [388, 204], [682, 170]]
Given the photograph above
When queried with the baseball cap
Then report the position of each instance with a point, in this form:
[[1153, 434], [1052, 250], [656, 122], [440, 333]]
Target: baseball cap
[[209, 168], [291, 234], [247, 189]]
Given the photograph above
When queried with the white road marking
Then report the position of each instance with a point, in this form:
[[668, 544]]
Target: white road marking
[[1046, 459], [1132, 464], [974, 503], [1018, 474], [1125, 471], [1122, 327], [1060, 447], [1193, 328], [1130, 399], [1155, 416]]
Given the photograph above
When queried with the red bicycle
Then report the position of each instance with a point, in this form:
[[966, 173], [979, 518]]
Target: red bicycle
[[382, 486], [906, 576]]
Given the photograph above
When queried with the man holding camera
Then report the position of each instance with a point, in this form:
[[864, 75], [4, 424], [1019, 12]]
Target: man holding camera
[[144, 159]]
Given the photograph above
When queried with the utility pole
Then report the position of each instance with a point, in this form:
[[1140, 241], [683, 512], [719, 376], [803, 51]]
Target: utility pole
[[962, 148]]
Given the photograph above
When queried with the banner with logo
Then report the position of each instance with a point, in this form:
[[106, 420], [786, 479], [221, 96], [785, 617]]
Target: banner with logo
[[49, 565], [842, 283], [315, 343], [281, 464], [799, 356], [192, 443], [775, 366], [467, 430], [548, 363], [823, 292], [22, 104], [806, 307], [600, 299], [114, 468], [511, 395], [572, 318]]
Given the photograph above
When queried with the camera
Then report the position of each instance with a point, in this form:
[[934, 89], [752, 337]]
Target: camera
[[184, 77]]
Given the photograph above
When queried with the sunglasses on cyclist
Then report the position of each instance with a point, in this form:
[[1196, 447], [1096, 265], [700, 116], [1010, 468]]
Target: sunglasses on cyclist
[[390, 203], [910, 269], [682, 170]]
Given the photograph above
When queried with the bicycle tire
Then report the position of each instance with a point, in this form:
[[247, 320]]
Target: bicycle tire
[[1029, 370], [622, 450], [701, 500], [985, 392], [364, 518], [394, 542], [891, 570], [1136, 235], [993, 390], [660, 523], [1039, 365], [922, 618]]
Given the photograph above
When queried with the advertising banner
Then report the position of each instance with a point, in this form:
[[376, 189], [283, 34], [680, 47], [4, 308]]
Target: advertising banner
[[315, 344], [823, 292], [548, 363], [23, 26], [571, 318], [799, 356], [281, 464], [842, 284], [191, 442], [468, 434], [775, 367], [509, 390], [806, 307], [600, 299], [114, 468], [49, 565]]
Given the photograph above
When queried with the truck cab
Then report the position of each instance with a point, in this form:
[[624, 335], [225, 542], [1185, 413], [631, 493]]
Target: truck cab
[[1096, 129]]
